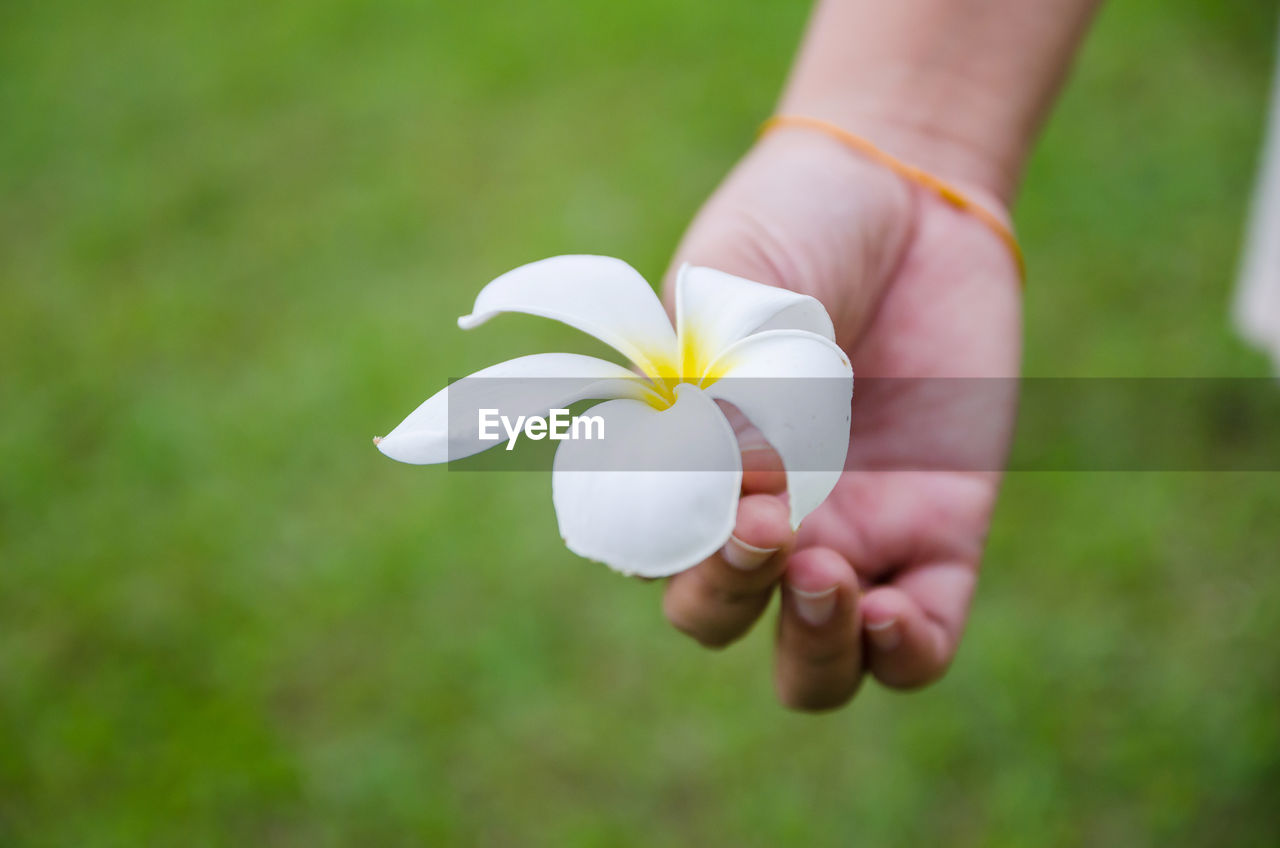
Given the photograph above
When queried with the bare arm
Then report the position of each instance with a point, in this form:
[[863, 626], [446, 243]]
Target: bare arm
[[878, 579], [958, 87]]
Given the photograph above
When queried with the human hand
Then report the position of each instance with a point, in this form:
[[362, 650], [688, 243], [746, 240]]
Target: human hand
[[880, 576]]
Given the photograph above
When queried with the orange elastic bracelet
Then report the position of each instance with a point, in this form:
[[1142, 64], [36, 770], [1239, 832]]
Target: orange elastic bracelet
[[943, 189]]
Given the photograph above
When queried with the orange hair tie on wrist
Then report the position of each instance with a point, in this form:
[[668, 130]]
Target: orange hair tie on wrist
[[949, 193]]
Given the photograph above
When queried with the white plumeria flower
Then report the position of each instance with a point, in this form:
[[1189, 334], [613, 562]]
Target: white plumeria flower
[[754, 346]]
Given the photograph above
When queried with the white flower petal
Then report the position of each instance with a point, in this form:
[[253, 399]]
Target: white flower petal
[[714, 310], [796, 387], [650, 522], [446, 426], [599, 295]]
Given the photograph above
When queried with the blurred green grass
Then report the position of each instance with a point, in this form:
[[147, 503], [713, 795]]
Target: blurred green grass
[[233, 239]]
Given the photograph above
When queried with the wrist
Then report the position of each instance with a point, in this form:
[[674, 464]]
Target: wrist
[[957, 88], [958, 136], [970, 200]]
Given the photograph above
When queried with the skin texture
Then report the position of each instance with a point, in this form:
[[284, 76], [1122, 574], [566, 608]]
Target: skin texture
[[957, 87], [916, 289], [879, 578]]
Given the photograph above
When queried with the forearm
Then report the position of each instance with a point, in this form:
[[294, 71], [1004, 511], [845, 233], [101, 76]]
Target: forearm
[[958, 87]]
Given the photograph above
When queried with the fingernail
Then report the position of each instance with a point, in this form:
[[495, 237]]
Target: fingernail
[[885, 635], [743, 556], [815, 607]]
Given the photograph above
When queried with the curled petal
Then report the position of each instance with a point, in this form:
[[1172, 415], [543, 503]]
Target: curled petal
[[446, 426], [714, 310], [796, 387], [599, 295], [658, 494]]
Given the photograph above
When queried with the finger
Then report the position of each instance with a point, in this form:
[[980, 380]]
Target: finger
[[913, 626], [762, 471], [719, 599], [819, 651]]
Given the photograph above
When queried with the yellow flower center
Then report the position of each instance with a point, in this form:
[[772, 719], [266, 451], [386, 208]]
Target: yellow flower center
[[694, 367]]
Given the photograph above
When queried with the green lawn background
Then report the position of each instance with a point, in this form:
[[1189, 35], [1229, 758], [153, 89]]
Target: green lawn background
[[233, 240]]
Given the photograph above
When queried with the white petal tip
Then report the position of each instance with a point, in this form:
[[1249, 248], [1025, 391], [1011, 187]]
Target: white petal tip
[[466, 322], [377, 440], [648, 571], [629, 568]]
